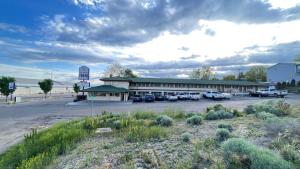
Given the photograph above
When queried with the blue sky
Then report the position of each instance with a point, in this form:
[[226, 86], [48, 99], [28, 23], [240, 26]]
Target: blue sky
[[155, 38]]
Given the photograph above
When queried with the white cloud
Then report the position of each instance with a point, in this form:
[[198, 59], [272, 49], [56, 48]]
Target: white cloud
[[284, 4]]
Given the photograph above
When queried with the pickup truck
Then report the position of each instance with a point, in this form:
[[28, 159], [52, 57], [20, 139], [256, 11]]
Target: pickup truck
[[216, 95], [269, 92]]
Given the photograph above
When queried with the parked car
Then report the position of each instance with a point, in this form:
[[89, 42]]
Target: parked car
[[183, 96], [270, 91], [80, 98], [137, 98], [216, 95], [149, 98], [195, 96], [173, 97], [159, 98]]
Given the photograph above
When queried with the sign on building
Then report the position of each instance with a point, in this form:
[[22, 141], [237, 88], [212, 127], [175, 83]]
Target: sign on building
[[84, 73], [12, 86]]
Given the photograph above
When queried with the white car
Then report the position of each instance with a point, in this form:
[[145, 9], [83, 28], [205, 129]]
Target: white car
[[216, 95], [195, 96], [173, 97]]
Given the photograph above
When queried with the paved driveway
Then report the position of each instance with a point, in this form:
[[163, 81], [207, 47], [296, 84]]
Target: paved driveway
[[16, 120]]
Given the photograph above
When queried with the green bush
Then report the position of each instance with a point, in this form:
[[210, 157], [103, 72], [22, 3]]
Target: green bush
[[222, 134], [237, 113], [290, 154], [216, 115], [40, 148], [264, 115], [240, 154], [194, 120], [117, 124], [226, 126], [250, 109], [216, 107], [186, 137], [279, 108], [164, 120]]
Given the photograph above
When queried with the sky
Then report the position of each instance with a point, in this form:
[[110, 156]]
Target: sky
[[154, 38]]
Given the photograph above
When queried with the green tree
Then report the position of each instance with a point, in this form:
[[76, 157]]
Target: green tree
[[257, 73], [4, 88], [46, 85], [241, 76], [297, 58], [204, 73], [129, 73], [76, 88], [293, 83], [229, 77]]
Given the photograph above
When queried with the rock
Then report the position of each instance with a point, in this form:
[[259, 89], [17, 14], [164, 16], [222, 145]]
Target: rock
[[103, 130]]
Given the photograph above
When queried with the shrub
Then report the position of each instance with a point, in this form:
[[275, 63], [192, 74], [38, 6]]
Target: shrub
[[222, 134], [216, 107], [250, 109], [240, 154], [117, 124], [275, 125], [164, 120], [194, 120], [290, 154], [237, 113], [264, 115], [40, 148], [226, 126], [279, 108], [186, 137], [221, 114]]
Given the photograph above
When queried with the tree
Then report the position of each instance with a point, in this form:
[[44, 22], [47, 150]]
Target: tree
[[293, 83], [257, 73], [129, 73], [241, 76], [297, 58], [298, 83], [46, 85], [204, 73], [76, 88], [4, 88], [117, 70], [278, 86], [229, 77]]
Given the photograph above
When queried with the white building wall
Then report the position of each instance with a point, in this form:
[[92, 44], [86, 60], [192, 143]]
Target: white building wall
[[107, 97], [283, 72], [32, 90], [117, 84]]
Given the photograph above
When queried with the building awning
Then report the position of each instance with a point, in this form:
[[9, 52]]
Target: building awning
[[106, 89]]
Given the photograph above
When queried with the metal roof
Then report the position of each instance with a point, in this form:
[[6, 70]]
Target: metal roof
[[184, 81], [106, 89]]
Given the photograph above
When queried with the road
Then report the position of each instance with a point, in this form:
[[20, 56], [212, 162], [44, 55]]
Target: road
[[17, 120]]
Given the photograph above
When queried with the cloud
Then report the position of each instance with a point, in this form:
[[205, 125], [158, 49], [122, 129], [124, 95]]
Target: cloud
[[210, 32], [128, 22], [52, 51], [190, 57], [12, 28], [183, 48]]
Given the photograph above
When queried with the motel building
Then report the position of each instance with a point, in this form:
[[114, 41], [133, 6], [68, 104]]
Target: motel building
[[120, 89]]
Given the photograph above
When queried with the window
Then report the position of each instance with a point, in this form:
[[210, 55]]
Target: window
[[298, 68], [100, 94], [117, 94]]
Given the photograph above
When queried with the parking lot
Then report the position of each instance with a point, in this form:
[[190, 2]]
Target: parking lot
[[16, 120]]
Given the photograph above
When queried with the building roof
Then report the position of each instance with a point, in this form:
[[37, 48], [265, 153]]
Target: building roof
[[287, 63], [106, 89], [184, 81]]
